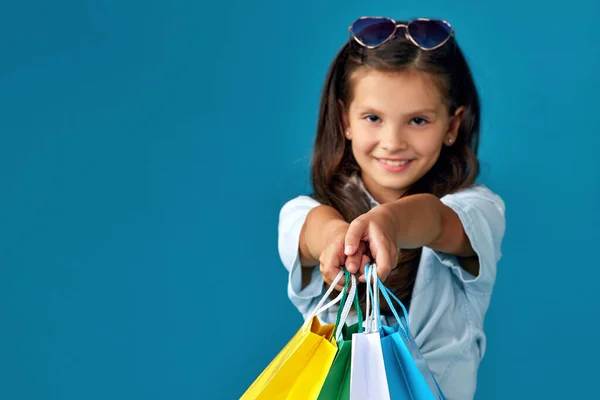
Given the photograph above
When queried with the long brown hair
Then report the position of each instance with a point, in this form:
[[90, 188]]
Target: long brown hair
[[333, 165]]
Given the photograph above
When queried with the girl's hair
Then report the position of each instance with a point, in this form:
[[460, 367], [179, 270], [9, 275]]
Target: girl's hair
[[334, 166]]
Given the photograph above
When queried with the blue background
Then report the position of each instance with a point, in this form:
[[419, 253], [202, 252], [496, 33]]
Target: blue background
[[147, 147]]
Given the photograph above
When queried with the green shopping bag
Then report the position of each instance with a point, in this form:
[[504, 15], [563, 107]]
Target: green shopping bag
[[337, 383]]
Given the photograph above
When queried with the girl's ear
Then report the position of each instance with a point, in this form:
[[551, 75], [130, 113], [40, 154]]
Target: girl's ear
[[454, 125], [345, 120]]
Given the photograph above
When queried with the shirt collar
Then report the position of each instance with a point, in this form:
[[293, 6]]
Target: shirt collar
[[358, 180]]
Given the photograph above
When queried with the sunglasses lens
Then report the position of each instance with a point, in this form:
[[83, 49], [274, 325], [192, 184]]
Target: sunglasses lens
[[429, 34], [373, 31]]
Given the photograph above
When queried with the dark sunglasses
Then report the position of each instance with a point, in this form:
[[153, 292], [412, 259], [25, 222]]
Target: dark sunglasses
[[427, 34]]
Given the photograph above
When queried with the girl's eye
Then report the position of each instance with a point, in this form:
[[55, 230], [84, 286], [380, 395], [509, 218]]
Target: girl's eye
[[372, 118], [419, 121]]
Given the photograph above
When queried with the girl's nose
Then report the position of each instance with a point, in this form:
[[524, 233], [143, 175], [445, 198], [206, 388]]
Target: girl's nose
[[393, 140]]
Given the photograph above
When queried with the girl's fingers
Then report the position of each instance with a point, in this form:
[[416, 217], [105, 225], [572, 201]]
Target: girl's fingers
[[353, 262], [331, 263], [354, 235], [383, 257], [363, 264], [328, 279]]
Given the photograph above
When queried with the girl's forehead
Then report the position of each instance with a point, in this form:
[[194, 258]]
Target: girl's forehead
[[384, 89]]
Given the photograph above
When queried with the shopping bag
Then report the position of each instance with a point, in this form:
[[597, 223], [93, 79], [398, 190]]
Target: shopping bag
[[368, 380], [337, 383], [300, 368], [409, 376]]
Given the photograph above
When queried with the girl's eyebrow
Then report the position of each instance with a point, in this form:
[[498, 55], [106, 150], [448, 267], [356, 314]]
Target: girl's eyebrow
[[424, 111]]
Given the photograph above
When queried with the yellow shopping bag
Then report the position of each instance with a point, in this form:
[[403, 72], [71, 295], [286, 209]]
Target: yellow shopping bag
[[300, 368]]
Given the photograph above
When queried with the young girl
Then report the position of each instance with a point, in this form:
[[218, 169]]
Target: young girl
[[394, 172]]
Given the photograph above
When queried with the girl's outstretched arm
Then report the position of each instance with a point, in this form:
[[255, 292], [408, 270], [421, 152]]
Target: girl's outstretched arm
[[411, 222], [321, 223]]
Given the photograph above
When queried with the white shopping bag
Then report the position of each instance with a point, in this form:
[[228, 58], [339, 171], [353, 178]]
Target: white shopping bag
[[368, 380]]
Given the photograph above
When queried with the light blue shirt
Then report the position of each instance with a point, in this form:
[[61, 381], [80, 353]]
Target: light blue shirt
[[448, 304]]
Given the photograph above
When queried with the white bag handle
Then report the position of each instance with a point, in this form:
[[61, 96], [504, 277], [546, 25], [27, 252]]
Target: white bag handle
[[372, 312], [368, 300], [319, 307], [347, 307]]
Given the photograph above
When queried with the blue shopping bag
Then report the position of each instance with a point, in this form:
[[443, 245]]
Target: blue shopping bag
[[408, 374]]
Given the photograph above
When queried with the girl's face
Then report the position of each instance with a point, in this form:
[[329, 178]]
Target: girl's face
[[397, 123]]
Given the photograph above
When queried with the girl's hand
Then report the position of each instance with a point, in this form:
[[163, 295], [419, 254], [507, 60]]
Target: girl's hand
[[377, 228], [333, 257]]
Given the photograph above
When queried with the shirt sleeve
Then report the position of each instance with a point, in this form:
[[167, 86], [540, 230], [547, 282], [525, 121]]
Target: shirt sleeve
[[291, 219], [482, 214]]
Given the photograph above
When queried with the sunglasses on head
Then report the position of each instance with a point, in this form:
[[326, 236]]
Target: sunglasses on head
[[426, 34]]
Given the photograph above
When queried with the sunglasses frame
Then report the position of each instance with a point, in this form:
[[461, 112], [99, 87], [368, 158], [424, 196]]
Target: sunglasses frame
[[406, 33]]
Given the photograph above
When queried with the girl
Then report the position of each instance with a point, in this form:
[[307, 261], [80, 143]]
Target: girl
[[393, 172]]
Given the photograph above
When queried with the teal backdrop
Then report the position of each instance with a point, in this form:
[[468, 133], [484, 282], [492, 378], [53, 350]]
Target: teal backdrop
[[147, 147]]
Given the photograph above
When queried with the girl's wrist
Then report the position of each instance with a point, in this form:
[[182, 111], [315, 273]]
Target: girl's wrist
[[391, 212], [321, 223], [334, 227]]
